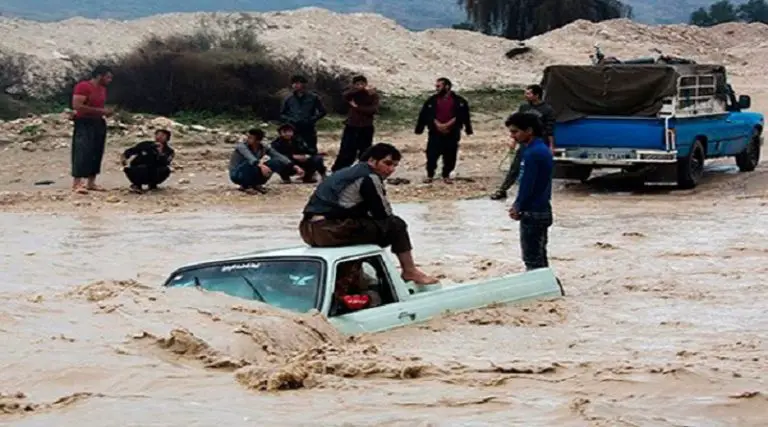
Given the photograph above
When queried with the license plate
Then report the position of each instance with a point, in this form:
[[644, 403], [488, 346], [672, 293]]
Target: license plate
[[605, 156]]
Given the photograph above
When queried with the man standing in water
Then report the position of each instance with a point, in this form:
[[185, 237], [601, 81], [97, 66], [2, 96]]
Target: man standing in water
[[532, 207], [444, 114], [351, 208], [536, 106], [303, 109], [358, 130], [90, 129]]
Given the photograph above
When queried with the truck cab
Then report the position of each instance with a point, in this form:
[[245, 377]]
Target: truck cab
[[303, 278], [658, 122]]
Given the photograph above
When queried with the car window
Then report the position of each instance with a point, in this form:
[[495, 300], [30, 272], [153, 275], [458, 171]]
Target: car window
[[291, 285]]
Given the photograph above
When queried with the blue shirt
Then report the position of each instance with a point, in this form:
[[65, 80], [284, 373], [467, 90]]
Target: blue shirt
[[534, 192]]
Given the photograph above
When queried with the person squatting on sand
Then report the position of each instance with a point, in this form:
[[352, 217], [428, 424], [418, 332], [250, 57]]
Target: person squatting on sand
[[358, 132], [252, 163], [89, 135], [297, 151], [350, 207], [532, 207], [444, 114], [149, 162]]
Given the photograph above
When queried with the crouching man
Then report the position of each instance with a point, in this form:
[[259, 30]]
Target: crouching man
[[252, 163], [351, 208], [149, 162], [300, 154]]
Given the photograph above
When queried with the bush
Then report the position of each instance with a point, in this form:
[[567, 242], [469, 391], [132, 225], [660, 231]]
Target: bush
[[225, 72]]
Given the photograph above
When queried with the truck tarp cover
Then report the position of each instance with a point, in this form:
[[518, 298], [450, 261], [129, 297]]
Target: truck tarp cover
[[613, 90]]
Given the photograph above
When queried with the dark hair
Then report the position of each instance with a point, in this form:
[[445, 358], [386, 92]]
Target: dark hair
[[359, 79], [258, 133], [100, 70], [525, 121], [166, 132], [536, 90], [286, 126], [298, 79], [445, 81], [380, 151]]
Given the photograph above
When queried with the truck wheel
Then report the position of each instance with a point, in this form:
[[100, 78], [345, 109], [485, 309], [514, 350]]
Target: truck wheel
[[748, 159], [690, 169]]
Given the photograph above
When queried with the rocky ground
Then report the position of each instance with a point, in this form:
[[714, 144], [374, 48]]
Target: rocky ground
[[34, 168], [395, 59]]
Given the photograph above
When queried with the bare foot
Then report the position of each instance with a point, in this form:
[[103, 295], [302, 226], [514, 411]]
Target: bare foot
[[80, 190], [447, 181], [419, 278], [95, 187]]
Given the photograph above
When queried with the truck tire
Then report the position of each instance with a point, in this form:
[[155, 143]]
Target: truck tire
[[690, 169], [748, 159]]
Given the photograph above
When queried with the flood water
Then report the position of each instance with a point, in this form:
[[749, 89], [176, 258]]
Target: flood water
[[663, 324]]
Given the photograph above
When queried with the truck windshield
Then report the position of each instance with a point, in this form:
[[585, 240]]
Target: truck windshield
[[288, 284]]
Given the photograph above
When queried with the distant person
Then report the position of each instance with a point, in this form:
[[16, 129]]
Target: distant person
[[358, 132], [351, 208], [296, 150], [252, 163], [149, 162], [90, 129], [303, 109], [444, 114], [546, 114], [532, 207]]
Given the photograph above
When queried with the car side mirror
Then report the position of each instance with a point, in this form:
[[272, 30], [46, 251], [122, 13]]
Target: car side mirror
[[745, 101]]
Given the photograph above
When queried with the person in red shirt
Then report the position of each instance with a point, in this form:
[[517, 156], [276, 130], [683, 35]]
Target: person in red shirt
[[444, 114], [90, 129]]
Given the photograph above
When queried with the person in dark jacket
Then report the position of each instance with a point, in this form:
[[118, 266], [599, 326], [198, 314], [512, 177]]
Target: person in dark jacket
[[303, 109], [546, 114], [296, 150], [532, 207], [444, 114], [358, 130], [350, 207], [149, 162], [252, 163]]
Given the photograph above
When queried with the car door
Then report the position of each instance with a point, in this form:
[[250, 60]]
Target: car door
[[391, 314]]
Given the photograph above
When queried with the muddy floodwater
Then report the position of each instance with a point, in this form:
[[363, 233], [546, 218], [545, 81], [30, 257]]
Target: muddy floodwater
[[664, 324]]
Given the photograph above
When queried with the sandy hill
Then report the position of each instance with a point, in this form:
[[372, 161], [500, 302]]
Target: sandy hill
[[394, 58]]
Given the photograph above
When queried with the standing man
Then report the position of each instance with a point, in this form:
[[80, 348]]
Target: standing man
[[536, 106], [532, 207], [151, 163], [303, 109], [358, 130], [444, 114], [351, 208], [90, 129]]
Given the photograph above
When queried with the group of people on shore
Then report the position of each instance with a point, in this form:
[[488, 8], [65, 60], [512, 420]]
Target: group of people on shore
[[350, 206]]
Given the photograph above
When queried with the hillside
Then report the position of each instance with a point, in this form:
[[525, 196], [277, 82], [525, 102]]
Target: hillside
[[412, 14], [395, 59]]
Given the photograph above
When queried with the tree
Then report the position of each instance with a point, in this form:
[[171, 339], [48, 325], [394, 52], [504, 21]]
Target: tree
[[754, 11], [522, 19], [724, 11]]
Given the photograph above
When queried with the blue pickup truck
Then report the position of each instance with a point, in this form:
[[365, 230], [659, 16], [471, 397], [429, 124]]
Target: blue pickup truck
[[657, 122]]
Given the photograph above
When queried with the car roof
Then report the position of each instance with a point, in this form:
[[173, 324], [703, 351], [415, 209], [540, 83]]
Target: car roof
[[328, 254]]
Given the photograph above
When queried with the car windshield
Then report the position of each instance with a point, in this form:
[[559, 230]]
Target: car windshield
[[289, 284]]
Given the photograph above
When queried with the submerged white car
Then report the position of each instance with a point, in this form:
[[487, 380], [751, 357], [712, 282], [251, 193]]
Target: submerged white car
[[303, 278]]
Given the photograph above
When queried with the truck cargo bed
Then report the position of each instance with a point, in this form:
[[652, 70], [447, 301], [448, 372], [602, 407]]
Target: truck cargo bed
[[639, 133]]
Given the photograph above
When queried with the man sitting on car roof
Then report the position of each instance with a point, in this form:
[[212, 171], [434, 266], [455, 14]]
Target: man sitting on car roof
[[351, 208]]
